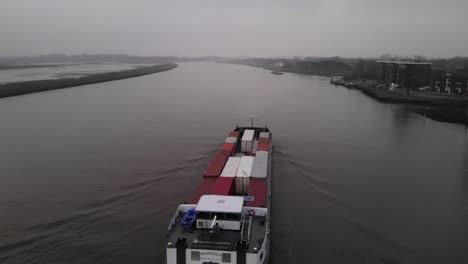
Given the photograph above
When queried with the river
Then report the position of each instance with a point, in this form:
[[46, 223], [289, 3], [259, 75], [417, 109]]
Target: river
[[92, 174]]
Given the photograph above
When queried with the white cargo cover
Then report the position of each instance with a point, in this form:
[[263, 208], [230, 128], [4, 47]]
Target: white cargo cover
[[260, 166], [247, 140], [220, 204], [245, 166], [231, 166], [231, 140], [243, 174], [264, 135]]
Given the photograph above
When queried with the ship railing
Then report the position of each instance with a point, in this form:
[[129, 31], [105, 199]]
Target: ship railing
[[246, 227]]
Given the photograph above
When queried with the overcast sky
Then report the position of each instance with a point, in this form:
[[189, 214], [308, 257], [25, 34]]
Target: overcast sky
[[348, 28]]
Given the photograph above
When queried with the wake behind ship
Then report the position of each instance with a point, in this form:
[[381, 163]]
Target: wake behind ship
[[228, 218]]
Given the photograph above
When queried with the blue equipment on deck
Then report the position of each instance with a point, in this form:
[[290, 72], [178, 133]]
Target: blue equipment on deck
[[189, 218]]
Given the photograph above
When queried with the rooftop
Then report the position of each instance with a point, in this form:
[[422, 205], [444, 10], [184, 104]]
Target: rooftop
[[220, 204]]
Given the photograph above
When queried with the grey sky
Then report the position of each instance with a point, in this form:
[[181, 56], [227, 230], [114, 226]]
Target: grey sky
[[347, 28]]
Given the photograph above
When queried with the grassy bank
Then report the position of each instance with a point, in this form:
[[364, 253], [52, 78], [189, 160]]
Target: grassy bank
[[20, 88]]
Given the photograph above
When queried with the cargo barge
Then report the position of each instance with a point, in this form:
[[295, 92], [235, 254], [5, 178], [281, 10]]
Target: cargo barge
[[228, 217]]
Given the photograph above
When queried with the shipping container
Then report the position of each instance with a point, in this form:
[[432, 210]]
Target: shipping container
[[263, 147], [258, 191], [255, 146], [260, 165], [231, 166], [217, 164], [243, 174], [228, 148], [242, 185], [231, 140], [264, 135], [247, 140], [235, 134], [204, 187], [245, 166], [263, 144], [223, 186]]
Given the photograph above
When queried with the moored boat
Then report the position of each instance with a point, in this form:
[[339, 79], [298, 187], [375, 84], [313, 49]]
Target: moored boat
[[228, 217]]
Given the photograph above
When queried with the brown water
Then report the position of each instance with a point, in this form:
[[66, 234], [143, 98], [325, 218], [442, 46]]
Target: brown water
[[92, 174]]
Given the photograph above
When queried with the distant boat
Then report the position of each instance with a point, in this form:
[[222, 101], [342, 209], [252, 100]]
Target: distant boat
[[277, 72]]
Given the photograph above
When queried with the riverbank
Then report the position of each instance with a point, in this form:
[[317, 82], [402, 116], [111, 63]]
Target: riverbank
[[443, 108], [20, 88], [279, 69], [399, 95], [456, 115]]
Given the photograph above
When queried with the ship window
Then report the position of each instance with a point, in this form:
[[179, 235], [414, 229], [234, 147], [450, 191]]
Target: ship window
[[232, 217], [261, 257], [226, 257], [204, 215], [195, 255], [200, 224]]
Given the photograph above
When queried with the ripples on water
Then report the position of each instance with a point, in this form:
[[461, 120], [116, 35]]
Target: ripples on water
[[92, 174], [91, 234]]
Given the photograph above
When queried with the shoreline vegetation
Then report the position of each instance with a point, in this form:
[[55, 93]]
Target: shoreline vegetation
[[20, 88]]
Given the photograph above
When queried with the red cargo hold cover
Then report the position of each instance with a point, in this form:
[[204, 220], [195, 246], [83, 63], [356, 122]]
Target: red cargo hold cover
[[234, 134], [217, 164], [263, 147], [263, 144], [228, 148], [258, 190], [204, 187], [223, 186]]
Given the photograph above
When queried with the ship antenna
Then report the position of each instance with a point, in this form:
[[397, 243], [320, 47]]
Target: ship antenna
[[214, 228], [214, 221], [251, 121]]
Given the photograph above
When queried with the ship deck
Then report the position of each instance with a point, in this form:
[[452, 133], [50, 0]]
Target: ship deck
[[223, 240]]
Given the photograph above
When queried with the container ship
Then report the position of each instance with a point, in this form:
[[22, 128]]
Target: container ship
[[228, 217]]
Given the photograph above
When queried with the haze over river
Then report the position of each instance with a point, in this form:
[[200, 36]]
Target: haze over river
[[92, 174]]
